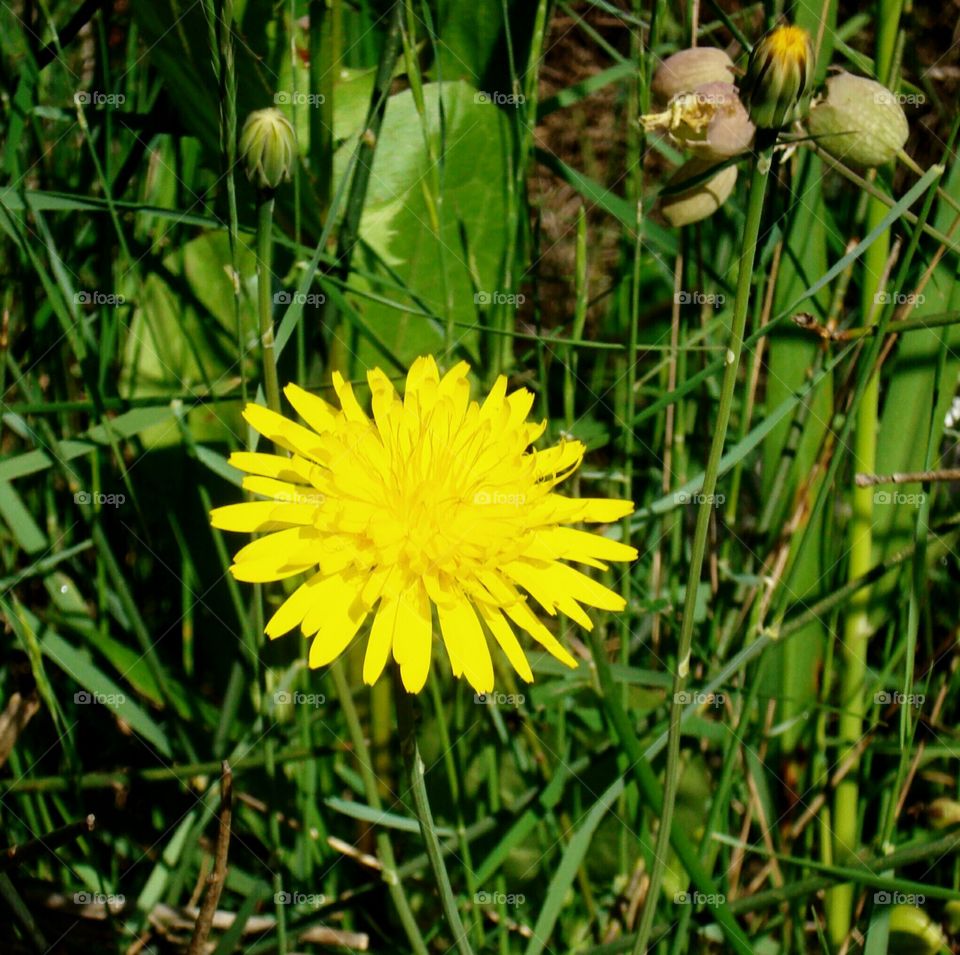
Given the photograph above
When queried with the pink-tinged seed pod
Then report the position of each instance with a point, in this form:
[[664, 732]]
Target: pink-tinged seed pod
[[702, 200], [859, 121], [728, 130], [688, 69]]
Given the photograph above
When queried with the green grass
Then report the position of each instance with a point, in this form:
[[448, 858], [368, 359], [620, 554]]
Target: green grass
[[797, 754]]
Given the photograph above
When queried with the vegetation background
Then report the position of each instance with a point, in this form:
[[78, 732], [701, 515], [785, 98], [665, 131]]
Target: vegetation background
[[472, 182]]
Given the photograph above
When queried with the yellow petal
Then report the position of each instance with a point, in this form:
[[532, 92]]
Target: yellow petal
[[504, 635], [319, 414], [581, 587], [294, 469], [523, 617], [283, 490], [413, 637], [348, 400], [585, 547], [461, 629], [295, 544], [255, 516], [292, 611], [344, 617], [381, 639], [283, 432]]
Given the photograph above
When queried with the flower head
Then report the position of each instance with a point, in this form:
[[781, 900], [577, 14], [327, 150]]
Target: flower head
[[710, 121], [268, 147], [776, 88], [434, 501]]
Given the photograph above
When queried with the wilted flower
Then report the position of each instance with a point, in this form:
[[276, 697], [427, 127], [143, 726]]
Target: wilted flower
[[434, 501], [268, 148], [859, 121], [688, 69], [701, 200], [710, 121], [776, 88]]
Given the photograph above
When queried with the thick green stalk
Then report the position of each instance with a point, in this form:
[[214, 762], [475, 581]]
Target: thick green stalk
[[856, 627], [758, 186], [406, 723], [372, 791], [271, 388]]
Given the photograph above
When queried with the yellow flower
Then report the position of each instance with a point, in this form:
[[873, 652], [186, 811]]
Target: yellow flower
[[776, 88], [434, 501]]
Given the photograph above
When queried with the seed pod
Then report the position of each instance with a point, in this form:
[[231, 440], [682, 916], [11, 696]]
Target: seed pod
[[912, 930], [776, 89], [859, 121], [688, 69], [943, 812], [728, 131], [268, 148], [701, 200]]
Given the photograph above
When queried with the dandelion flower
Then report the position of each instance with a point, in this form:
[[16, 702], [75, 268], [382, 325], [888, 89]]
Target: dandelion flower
[[433, 501]]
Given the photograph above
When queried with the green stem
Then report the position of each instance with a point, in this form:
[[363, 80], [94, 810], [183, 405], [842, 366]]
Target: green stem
[[271, 386], [758, 185], [384, 845], [406, 724]]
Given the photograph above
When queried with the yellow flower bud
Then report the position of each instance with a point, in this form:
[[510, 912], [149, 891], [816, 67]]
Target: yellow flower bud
[[776, 88], [268, 148], [859, 121], [688, 69], [702, 200]]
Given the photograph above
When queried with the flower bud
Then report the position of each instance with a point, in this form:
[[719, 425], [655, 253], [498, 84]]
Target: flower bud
[[777, 85], [703, 199], [688, 69], [859, 121], [268, 148]]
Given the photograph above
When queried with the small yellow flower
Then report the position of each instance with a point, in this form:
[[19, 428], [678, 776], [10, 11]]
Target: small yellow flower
[[434, 501], [780, 72]]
